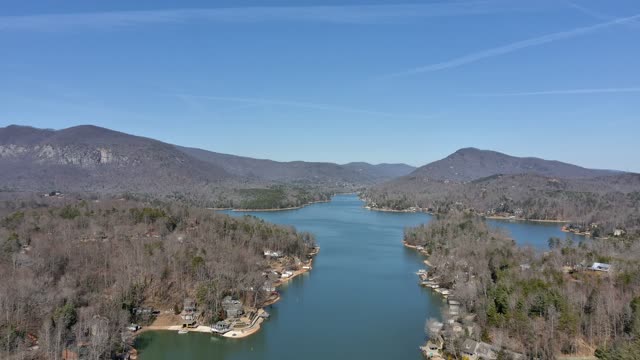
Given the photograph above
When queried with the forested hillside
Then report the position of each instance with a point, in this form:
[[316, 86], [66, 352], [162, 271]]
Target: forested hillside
[[301, 172], [538, 304], [527, 188], [471, 164], [75, 271], [94, 160]]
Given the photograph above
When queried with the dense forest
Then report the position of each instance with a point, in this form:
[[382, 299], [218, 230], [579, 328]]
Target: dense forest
[[240, 197], [74, 271], [538, 304], [610, 201]]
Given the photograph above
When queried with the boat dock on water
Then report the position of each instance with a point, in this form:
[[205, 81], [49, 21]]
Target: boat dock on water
[[431, 282]]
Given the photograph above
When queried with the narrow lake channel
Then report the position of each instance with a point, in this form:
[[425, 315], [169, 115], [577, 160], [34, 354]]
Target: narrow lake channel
[[360, 301]]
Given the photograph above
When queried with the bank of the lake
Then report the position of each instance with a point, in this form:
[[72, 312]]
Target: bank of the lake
[[268, 209], [529, 220], [361, 300], [174, 323]]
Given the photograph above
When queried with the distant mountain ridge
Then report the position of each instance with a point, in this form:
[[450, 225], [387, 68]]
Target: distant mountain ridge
[[299, 171], [381, 171], [91, 158], [470, 164], [496, 184]]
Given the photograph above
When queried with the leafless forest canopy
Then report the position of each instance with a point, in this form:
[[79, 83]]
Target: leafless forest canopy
[[601, 200], [539, 304], [73, 271]]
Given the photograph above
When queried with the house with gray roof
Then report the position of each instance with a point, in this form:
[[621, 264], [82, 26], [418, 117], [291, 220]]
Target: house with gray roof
[[232, 307]]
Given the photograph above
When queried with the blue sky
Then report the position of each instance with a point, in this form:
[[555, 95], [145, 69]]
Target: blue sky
[[334, 81]]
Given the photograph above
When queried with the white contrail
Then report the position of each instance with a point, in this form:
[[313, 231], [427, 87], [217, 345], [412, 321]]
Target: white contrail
[[562, 92], [300, 104], [519, 45], [333, 14], [598, 15]]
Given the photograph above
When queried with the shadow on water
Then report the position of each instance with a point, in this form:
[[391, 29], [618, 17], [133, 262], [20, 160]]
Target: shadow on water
[[143, 341]]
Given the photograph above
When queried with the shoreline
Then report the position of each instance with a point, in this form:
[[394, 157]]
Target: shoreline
[[421, 252], [396, 211], [531, 220], [236, 334], [270, 209], [421, 210], [444, 296]]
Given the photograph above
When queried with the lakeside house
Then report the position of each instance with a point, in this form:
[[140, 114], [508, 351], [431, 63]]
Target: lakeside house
[[454, 310], [189, 314], [273, 254], [600, 267], [221, 327], [232, 307], [54, 194], [525, 267], [189, 306], [433, 348], [476, 350], [268, 286], [273, 276]]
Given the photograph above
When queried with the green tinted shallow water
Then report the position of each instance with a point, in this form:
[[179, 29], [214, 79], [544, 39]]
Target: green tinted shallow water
[[361, 301]]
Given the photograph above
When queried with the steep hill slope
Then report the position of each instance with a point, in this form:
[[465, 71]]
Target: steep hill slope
[[471, 163], [89, 158], [97, 160], [498, 184]]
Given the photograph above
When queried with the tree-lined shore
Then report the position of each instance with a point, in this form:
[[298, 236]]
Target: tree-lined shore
[[76, 272], [611, 202], [541, 305]]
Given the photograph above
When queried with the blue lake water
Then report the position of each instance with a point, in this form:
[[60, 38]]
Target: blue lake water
[[533, 234], [360, 301]]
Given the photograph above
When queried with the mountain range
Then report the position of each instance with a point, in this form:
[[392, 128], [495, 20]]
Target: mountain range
[[91, 159], [493, 183], [300, 171], [470, 164], [94, 159]]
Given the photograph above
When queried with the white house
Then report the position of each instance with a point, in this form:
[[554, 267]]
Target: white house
[[274, 254], [600, 267]]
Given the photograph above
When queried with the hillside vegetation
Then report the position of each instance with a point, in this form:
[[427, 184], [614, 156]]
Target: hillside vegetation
[[524, 188], [471, 164], [540, 305], [93, 160], [75, 271]]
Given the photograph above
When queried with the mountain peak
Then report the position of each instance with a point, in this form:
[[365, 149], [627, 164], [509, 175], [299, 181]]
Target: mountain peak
[[468, 150], [470, 163]]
